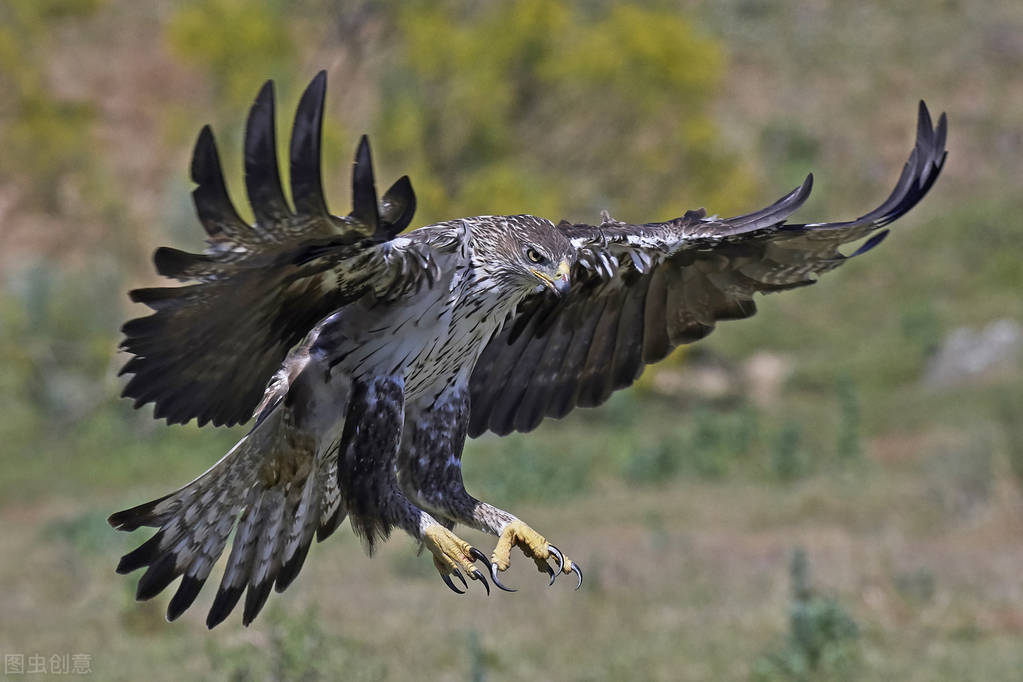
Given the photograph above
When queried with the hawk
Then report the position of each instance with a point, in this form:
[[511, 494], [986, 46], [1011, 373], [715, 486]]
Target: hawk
[[366, 355]]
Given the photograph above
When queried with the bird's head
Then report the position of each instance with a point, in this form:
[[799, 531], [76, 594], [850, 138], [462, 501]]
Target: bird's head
[[526, 254]]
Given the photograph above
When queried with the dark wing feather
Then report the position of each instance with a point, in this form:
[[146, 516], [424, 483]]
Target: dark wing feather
[[306, 137], [639, 291], [262, 177], [211, 345]]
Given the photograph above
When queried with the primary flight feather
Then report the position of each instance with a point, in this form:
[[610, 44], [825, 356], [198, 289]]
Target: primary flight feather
[[367, 356]]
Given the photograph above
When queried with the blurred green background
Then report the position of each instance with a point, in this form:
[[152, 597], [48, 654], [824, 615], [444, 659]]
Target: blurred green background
[[831, 490]]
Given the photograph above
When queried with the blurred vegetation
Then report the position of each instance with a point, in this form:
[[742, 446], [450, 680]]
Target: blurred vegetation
[[44, 137], [1009, 410], [675, 504], [821, 642], [297, 648], [236, 43], [849, 446], [483, 101]]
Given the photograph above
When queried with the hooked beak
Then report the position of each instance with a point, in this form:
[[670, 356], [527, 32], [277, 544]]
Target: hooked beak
[[562, 283]]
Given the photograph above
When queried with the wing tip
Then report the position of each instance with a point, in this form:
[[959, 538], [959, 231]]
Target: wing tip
[[362, 151], [265, 94], [364, 193], [397, 207], [868, 245], [204, 155], [305, 149]]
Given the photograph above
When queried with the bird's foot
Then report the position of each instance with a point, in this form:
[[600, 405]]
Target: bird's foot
[[535, 546], [452, 555]]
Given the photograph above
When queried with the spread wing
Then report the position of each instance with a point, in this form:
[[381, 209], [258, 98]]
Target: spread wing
[[639, 291], [256, 290]]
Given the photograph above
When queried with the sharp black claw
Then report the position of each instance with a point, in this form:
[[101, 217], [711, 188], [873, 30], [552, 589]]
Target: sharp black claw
[[493, 576], [478, 555], [458, 574], [579, 572], [478, 575], [557, 555], [551, 572], [447, 581]]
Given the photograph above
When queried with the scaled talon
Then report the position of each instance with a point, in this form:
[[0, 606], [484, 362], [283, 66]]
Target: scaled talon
[[478, 555], [559, 556], [451, 553], [551, 573], [533, 545], [451, 585], [578, 571], [479, 576], [458, 574], [497, 581]]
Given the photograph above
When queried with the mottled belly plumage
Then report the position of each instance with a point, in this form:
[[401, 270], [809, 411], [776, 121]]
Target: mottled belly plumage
[[428, 341]]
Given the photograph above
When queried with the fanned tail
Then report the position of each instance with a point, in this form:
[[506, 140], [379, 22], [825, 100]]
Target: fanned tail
[[280, 487]]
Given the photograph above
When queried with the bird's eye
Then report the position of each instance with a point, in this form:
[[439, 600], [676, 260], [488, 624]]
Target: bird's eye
[[534, 256]]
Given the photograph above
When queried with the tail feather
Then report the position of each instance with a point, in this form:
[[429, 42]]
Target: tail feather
[[159, 575], [276, 519], [300, 534], [194, 523], [200, 567], [232, 584], [265, 559], [142, 556], [332, 512]]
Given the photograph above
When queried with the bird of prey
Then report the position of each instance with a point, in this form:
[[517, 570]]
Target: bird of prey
[[366, 355]]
